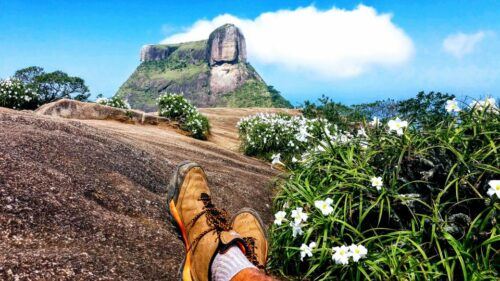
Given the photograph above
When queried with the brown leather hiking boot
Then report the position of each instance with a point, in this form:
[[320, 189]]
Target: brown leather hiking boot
[[248, 224], [204, 229]]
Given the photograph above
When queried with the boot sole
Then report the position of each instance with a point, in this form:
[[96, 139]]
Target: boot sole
[[173, 214]]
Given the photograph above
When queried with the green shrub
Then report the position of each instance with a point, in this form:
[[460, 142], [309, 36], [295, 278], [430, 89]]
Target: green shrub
[[197, 124], [115, 101], [422, 201], [14, 94], [266, 134], [425, 109], [176, 107]]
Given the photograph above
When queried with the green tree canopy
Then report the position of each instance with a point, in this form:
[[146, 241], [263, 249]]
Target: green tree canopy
[[53, 86]]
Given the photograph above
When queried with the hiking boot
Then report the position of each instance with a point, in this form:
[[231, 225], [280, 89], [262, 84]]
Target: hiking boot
[[249, 225], [204, 228]]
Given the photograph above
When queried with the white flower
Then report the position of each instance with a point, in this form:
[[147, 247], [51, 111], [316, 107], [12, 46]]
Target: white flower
[[299, 216], [324, 206], [452, 106], [306, 250], [276, 159], [296, 229], [377, 182], [357, 252], [397, 125], [341, 255], [375, 121], [494, 188], [101, 100], [361, 133], [279, 217], [302, 135], [489, 103], [294, 160]]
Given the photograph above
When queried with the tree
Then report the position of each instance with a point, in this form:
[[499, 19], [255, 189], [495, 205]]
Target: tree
[[58, 85], [53, 86], [27, 75], [426, 109]]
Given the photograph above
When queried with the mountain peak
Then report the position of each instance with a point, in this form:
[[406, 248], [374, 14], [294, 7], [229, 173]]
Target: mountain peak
[[226, 44], [209, 73]]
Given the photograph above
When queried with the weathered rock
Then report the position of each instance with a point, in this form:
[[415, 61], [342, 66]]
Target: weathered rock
[[155, 52], [85, 200], [227, 77], [226, 44], [92, 111]]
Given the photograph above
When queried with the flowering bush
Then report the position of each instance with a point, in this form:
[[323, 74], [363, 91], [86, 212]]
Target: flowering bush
[[395, 202], [13, 94], [176, 107], [114, 102], [267, 134]]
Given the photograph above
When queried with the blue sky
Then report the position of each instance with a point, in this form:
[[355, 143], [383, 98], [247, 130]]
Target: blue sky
[[100, 42]]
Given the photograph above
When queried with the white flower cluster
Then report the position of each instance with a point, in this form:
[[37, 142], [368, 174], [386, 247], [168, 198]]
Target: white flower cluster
[[489, 105], [175, 106], [14, 94], [342, 254], [299, 218], [114, 102], [194, 123], [275, 132]]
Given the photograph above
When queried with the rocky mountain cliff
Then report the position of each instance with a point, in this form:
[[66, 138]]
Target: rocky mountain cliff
[[210, 73]]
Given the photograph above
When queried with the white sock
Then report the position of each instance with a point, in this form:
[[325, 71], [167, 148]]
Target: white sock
[[226, 266]]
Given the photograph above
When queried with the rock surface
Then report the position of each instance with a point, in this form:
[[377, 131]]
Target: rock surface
[[85, 199], [227, 77], [73, 109], [155, 52], [226, 44], [205, 72]]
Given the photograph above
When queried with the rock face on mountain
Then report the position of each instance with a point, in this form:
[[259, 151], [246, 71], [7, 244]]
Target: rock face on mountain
[[226, 44], [209, 73], [155, 53]]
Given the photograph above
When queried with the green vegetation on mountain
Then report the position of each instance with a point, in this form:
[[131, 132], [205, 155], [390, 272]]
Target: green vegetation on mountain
[[254, 93], [207, 73], [183, 70]]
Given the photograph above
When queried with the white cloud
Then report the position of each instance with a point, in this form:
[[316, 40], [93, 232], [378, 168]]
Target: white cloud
[[461, 44], [333, 43]]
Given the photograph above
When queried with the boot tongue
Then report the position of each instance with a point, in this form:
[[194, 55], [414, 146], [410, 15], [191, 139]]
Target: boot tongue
[[231, 238]]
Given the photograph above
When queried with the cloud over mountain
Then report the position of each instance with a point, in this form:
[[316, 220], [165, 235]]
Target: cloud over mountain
[[334, 43]]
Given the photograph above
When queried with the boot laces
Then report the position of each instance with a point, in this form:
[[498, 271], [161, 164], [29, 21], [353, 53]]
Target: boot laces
[[251, 254], [217, 219]]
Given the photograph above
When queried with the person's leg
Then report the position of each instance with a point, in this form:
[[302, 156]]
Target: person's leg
[[228, 264], [234, 265], [212, 246]]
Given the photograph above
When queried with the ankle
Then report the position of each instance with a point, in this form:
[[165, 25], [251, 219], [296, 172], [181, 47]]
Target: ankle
[[227, 265]]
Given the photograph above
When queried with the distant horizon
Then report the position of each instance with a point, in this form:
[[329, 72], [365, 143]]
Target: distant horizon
[[352, 52]]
